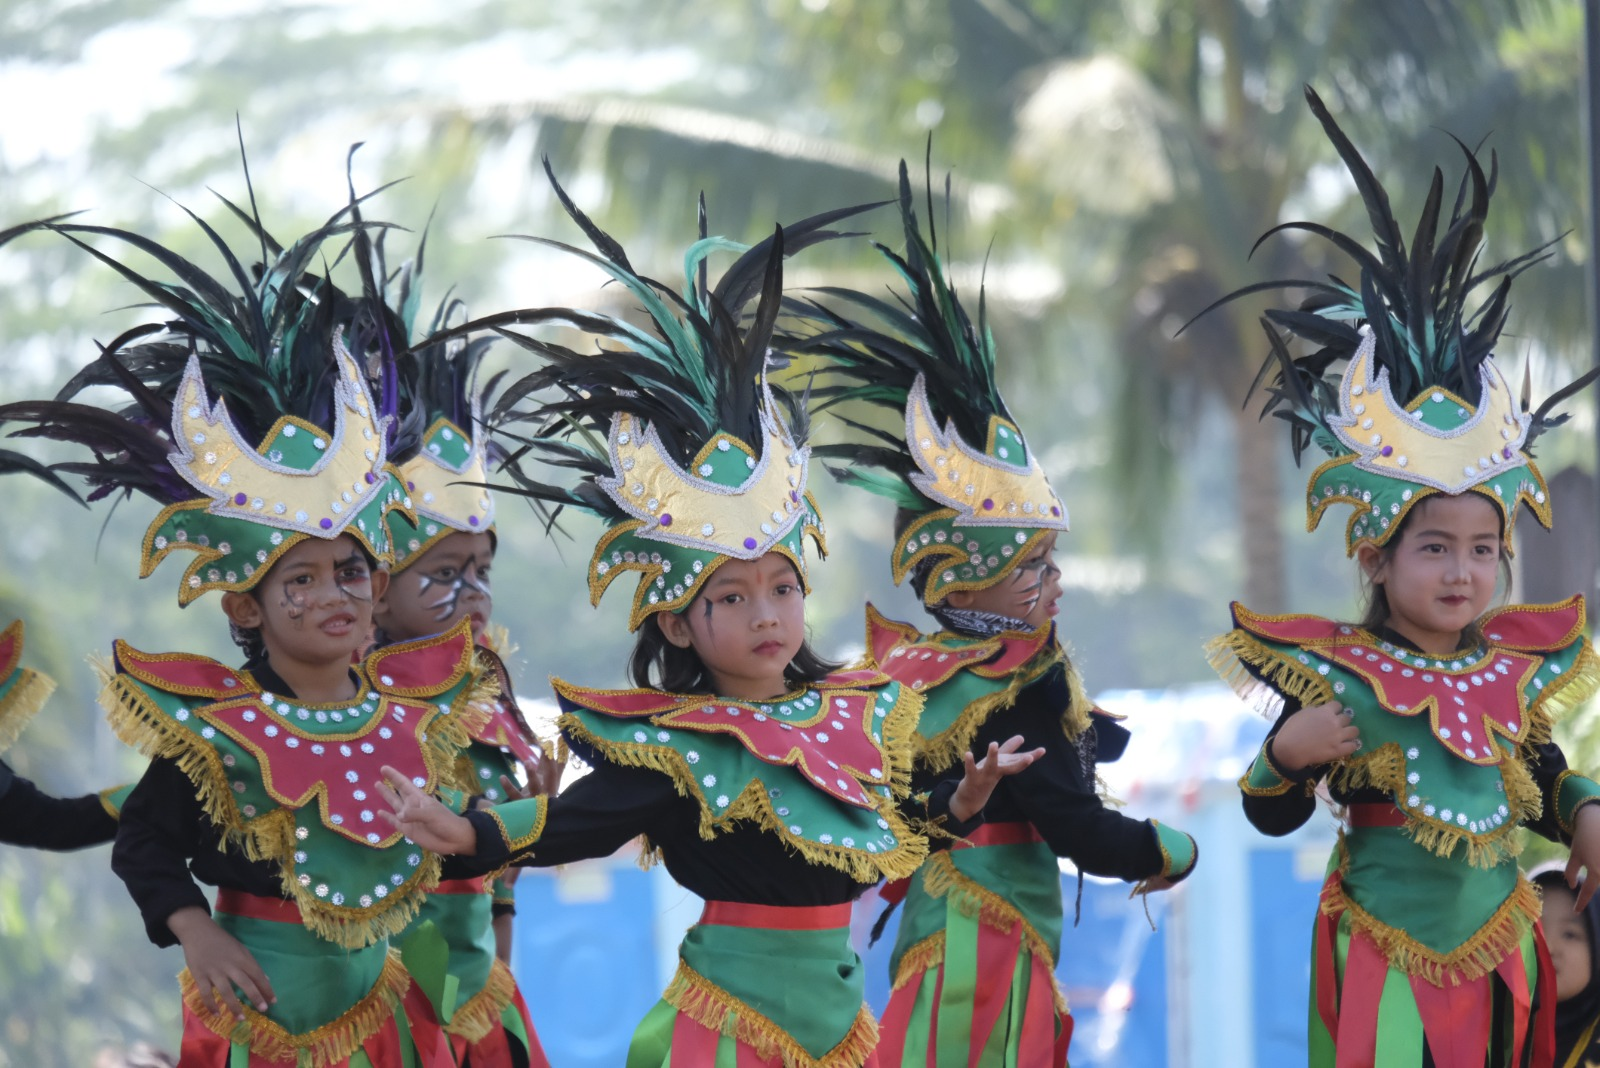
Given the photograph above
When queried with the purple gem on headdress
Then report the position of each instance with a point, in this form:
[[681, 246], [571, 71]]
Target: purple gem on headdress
[[988, 504], [410, 485], [239, 498], [371, 478], [1506, 452], [325, 523], [473, 520], [1055, 510], [1387, 450], [794, 496], [750, 543], [666, 519]]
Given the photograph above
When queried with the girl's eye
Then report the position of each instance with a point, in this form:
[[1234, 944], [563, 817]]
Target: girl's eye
[[445, 574], [301, 580], [732, 598]]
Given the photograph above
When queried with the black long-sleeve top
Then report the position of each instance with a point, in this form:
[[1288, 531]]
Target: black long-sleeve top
[[30, 817], [1281, 814], [165, 841], [601, 812], [1057, 792]]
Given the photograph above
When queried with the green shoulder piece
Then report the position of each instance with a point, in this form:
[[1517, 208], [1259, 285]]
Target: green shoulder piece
[[822, 768], [113, 799]]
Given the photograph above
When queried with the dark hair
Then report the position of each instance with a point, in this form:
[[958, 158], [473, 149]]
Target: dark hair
[[1377, 613], [657, 664]]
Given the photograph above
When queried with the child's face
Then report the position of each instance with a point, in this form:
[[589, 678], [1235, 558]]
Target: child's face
[[1568, 935], [446, 584], [1441, 575], [1028, 593], [315, 604], [747, 624]]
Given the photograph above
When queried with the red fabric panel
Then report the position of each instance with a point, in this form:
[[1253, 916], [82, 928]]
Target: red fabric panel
[[1544, 1022], [202, 1047], [1514, 973], [997, 961], [536, 1056], [776, 917], [1362, 989], [255, 907], [1456, 1020], [1327, 965], [693, 1045], [493, 1050], [1375, 814], [383, 1046], [1038, 1044], [1019, 832], [433, 1045], [896, 1020]]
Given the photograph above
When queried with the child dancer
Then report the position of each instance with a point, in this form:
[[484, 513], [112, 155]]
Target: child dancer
[[1429, 721], [974, 963], [275, 478], [439, 578], [769, 783]]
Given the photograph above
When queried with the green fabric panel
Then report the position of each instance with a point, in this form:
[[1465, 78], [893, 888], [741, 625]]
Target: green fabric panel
[[1400, 1036], [511, 1020], [1575, 790], [238, 1056], [1005, 1039], [945, 703], [959, 989], [1438, 901], [316, 981], [652, 1039], [520, 817], [465, 922], [489, 762], [809, 983], [919, 1027], [1026, 876], [1179, 846]]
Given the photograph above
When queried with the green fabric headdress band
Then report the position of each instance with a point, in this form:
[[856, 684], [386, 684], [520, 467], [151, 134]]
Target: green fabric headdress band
[[734, 503], [301, 482], [991, 506], [1389, 457]]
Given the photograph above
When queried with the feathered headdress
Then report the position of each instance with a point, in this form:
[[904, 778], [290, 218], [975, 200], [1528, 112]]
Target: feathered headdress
[[682, 446], [981, 499], [251, 423], [1420, 407]]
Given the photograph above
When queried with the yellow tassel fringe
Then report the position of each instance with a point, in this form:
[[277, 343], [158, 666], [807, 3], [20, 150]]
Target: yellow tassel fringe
[[480, 1014], [28, 695], [710, 1006], [946, 748], [330, 1044], [1473, 959]]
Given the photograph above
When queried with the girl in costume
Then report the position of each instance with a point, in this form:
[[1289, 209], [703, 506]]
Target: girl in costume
[[769, 783], [974, 963], [1429, 721], [440, 577], [252, 425], [1573, 936]]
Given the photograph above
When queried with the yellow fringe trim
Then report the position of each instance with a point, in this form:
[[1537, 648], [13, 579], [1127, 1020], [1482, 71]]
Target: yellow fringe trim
[[1231, 656], [329, 1044], [140, 722], [941, 878], [922, 957], [711, 1006], [27, 695], [480, 1014], [1473, 959], [945, 749], [754, 805]]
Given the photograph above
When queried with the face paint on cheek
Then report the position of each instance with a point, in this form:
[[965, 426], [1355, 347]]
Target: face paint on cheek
[[294, 604], [445, 606], [357, 589]]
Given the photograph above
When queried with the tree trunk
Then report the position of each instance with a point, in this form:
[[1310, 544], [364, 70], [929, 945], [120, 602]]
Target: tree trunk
[[1257, 443]]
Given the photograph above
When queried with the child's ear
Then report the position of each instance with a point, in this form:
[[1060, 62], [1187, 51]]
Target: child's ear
[[242, 610], [960, 600], [380, 587], [674, 628], [1370, 557]]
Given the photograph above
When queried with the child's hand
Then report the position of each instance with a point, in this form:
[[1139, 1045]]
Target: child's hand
[[219, 962], [1585, 854], [424, 819], [980, 776], [545, 777], [1320, 734]]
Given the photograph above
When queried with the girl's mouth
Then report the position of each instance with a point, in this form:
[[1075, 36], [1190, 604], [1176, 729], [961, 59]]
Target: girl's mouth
[[768, 648], [338, 626]]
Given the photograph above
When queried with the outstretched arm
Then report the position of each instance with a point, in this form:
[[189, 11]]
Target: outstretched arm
[[981, 776]]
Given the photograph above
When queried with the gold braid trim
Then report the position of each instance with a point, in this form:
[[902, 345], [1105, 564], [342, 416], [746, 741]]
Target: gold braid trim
[[480, 1014], [1233, 654], [27, 695], [945, 749], [1473, 959], [1572, 688], [330, 1044], [140, 722], [941, 878], [753, 803], [711, 1006]]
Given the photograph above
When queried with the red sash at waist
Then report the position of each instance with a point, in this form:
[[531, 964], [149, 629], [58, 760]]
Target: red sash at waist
[[1375, 814], [475, 885], [776, 917], [1020, 832], [255, 907]]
